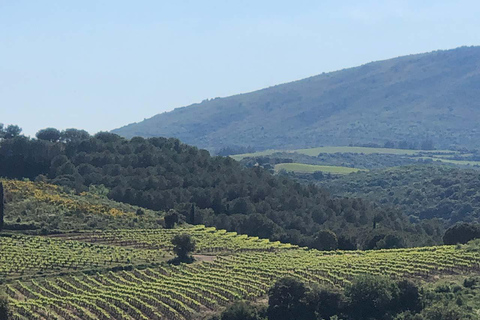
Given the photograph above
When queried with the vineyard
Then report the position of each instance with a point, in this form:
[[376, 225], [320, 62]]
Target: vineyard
[[185, 291], [207, 239], [112, 273], [27, 255]]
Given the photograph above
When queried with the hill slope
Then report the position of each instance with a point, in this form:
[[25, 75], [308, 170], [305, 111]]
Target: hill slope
[[164, 175], [426, 96], [423, 192]]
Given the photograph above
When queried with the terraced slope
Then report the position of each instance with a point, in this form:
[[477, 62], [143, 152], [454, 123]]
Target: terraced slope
[[183, 292], [239, 267]]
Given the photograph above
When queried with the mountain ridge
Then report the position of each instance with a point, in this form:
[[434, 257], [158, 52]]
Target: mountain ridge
[[415, 97]]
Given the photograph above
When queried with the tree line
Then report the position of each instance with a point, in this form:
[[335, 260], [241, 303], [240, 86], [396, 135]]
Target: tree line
[[165, 175]]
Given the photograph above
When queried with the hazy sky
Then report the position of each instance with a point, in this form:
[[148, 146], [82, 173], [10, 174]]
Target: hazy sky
[[98, 65]]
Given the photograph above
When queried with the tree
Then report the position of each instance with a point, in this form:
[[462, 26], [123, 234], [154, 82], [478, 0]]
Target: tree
[[11, 131], [371, 297], [325, 302], [325, 240], [461, 233], [4, 309], [192, 215], [70, 135], [171, 218], [49, 134], [286, 300], [183, 245], [2, 206], [408, 297]]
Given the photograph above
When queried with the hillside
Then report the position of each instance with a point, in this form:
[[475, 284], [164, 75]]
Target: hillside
[[422, 192], [73, 279], [432, 96], [166, 176]]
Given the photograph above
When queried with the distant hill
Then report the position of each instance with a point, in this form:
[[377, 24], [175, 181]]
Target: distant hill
[[434, 96], [422, 192]]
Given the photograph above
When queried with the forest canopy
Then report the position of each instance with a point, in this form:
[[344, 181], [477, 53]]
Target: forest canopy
[[163, 174]]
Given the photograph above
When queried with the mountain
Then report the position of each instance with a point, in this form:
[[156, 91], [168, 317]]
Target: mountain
[[432, 96]]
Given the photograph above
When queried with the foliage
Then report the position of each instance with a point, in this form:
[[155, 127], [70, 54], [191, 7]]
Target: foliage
[[286, 300], [163, 174], [371, 297], [4, 309], [242, 311], [38, 205], [461, 233], [10, 131], [325, 240], [2, 206], [183, 245], [422, 192], [171, 218], [49, 134]]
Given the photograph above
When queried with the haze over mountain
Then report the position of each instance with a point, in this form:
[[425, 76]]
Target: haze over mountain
[[433, 96]]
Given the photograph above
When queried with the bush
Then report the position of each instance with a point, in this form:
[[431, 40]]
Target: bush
[[242, 311]]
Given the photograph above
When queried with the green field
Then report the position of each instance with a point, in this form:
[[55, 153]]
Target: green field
[[315, 151], [309, 168]]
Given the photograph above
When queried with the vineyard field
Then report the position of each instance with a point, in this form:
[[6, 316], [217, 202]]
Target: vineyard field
[[208, 239], [184, 292]]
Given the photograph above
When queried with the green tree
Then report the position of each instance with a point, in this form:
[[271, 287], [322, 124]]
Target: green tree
[[11, 131], [2, 206], [461, 233], [287, 300], [325, 240], [49, 134], [171, 218], [192, 215], [4, 309], [183, 245], [325, 302], [74, 135], [371, 297]]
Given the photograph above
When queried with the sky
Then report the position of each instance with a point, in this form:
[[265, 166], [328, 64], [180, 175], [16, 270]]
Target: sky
[[99, 65]]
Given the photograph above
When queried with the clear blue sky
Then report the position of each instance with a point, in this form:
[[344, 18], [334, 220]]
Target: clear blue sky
[[98, 65]]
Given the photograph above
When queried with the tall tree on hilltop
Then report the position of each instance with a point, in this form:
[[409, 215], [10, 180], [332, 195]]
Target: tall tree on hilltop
[[1, 206], [192, 214]]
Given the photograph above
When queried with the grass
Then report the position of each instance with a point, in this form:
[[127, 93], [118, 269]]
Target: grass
[[308, 168], [315, 151]]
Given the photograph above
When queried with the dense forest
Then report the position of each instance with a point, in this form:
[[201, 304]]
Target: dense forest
[[422, 192], [163, 174]]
